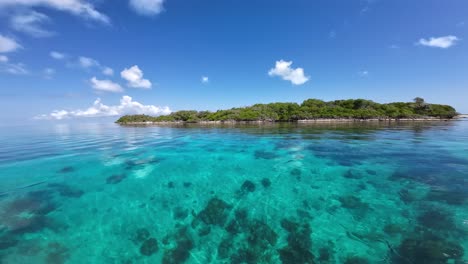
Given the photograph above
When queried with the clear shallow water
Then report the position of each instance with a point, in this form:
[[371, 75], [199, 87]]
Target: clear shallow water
[[364, 193]]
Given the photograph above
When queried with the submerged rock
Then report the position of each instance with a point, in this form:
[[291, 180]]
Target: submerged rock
[[215, 212], [149, 247], [116, 178]]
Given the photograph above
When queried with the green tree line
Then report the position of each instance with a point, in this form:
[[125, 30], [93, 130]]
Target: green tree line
[[309, 109]]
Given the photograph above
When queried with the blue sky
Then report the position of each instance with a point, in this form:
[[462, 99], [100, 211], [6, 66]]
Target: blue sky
[[173, 54]]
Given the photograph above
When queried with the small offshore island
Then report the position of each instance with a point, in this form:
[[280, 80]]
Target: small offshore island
[[311, 110]]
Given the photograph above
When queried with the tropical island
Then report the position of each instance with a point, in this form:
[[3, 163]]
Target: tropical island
[[309, 110]]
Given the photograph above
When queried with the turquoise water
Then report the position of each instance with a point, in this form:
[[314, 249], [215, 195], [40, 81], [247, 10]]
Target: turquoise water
[[346, 193]]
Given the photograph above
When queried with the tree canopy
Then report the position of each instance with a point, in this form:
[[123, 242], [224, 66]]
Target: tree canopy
[[309, 109]]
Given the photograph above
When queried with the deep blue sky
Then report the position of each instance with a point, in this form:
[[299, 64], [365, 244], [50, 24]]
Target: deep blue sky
[[348, 49]]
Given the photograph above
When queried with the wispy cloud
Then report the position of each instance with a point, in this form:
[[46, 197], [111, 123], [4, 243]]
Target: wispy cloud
[[364, 73], [86, 62], [15, 68], [147, 7], [105, 85], [107, 71], [31, 24], [57, 55], [98, 109], [134, 77], [8, 44], [48, 73], [3, 58], [80, 8], [205, 79], [283, 69], [440, 42]]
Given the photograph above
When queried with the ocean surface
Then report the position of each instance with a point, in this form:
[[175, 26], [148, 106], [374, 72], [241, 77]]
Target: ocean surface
[[278, 193]]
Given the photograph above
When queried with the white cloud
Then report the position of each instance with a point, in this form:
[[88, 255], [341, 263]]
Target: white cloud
[[107, 71], [48, 73], [15, 68], [364, 73], [8, 44], [57, 55], [147, 7], [105, 85], [440, 42], [205, 79], [284, 70], [134, 77], [31, 23], [3, 58], [86, 62], [76, 7], [98, 109]]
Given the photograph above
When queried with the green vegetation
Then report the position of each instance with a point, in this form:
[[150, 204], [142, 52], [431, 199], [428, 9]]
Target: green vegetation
[[309, 109]]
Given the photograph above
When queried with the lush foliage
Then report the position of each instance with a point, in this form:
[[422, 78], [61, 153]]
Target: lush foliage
[[309, 109]]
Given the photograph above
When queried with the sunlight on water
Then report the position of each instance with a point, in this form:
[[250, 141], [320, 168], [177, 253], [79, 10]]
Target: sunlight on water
[[286, 193]]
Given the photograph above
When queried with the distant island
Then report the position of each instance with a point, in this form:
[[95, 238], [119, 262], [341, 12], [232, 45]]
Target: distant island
[[309, 110]]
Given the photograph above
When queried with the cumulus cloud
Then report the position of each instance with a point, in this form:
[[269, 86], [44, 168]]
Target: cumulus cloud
[[283, 69], [86, 62], [76, 7], [440, 42], [3, 58], [31, 23], [147, 7], [57, 55], [205, 79], [98, 109], [107, 71], [134, 77], [105, 85], [8, 44]]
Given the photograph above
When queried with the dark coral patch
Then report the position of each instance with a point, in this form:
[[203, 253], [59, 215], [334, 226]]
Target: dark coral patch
[[215, 212], [350, 174], [451, 197], [428, 250], [181, 252], [247, 187], [356, 260], [149, 247], [266, 182], [116, 178], [67, 169], [352, 202], [299, 245], [261, 154], [437, 219], [141, 235], [66, 190]]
